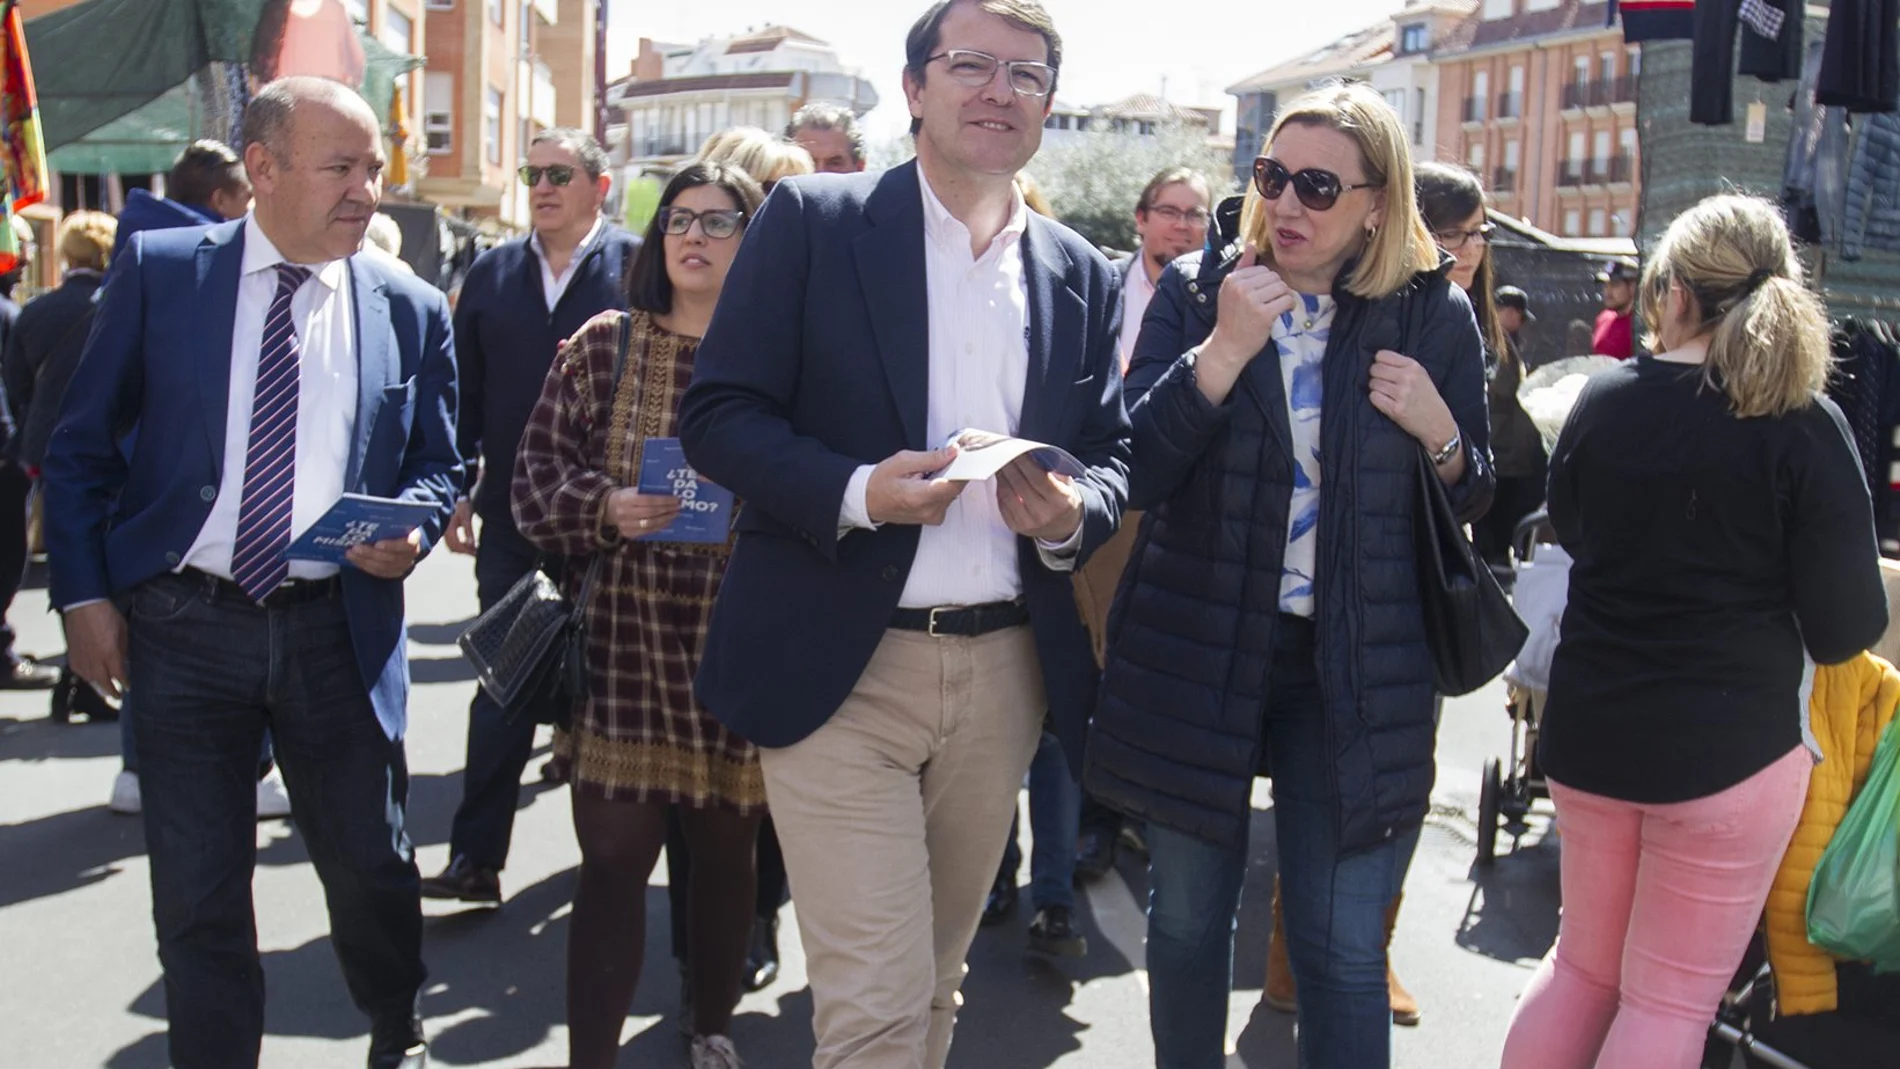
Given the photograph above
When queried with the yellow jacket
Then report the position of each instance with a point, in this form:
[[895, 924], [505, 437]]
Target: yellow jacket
[[1851, 706]]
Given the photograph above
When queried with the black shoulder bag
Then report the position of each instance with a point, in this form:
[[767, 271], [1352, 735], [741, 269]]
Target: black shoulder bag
[[530, 648], [1470, 627]]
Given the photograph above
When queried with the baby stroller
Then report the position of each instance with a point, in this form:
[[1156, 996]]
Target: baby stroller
[[1509, 787]]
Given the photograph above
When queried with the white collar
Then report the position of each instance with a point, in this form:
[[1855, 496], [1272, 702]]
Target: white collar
[[261, 255], [942, 228], [534, 241]]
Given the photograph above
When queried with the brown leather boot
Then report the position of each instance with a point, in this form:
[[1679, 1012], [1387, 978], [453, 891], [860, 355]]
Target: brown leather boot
[[1280, 993], [1404, 1006]]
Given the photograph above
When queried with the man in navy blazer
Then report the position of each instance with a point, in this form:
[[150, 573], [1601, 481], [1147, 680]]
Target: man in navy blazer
[[267, 370], [892, 640]]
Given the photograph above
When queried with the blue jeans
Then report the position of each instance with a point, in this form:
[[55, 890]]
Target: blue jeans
[[1055, 817], [212, 671], [1335, 905], [498, 746]]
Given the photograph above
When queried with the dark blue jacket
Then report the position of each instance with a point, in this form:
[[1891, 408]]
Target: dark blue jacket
[[505, 340], [160, 357], [143, 212], [818, 361], [1177, 736]]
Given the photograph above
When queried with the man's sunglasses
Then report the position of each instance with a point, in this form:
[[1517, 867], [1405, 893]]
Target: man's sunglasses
[[559, 174], [715, 223], [1318, 190]]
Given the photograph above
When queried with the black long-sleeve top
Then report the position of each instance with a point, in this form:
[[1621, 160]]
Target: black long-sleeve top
[[1708, 549]]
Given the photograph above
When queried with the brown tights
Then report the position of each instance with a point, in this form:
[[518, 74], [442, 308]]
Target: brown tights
[[620, 843]]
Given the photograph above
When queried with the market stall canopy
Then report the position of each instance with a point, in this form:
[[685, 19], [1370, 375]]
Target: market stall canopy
[[109, 107], [105, 59]]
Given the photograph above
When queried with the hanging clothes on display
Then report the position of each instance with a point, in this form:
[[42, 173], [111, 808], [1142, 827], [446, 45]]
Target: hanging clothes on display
[[1814, 179], [1872, 218], [1866, 386], [1770, 32], [1654, 20], [1861, 68]]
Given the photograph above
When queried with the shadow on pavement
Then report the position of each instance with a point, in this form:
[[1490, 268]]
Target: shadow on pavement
[[426, 670], [443, 634], [69, 850], [1514, 904], [148, 1053], [37, 738]]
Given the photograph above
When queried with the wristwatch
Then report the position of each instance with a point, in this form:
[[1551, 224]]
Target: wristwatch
[[1444, 456]]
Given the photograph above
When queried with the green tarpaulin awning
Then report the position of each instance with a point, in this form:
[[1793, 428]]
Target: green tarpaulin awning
[[113, 77]]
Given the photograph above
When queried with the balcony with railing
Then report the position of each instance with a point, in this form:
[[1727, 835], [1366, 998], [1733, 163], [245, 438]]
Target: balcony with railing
[[662, 145], [1504, 180], [1620, 169], [1601, 93], [1570, 173], [1510, 105], [1475, 110]]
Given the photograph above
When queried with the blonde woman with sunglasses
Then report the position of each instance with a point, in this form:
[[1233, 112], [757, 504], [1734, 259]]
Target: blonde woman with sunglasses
[[1283, 387]]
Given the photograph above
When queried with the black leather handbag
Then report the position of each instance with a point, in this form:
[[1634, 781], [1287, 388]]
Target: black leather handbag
[[1470, 626], [530, 648]]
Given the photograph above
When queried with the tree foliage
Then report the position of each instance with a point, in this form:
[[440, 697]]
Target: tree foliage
[[1093, 179]]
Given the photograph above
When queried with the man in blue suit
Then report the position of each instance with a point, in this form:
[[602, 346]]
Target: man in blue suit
[[268, 370], [893, 640]]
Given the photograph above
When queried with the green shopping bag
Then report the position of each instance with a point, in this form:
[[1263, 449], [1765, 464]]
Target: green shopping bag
[[1854, 902]]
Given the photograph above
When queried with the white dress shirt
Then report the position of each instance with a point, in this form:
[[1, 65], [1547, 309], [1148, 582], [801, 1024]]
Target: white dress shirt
[[553, 285], [979, 367], [1137, 291], [323, 316]]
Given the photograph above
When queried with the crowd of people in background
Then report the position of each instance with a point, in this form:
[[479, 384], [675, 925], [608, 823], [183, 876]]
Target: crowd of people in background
[[841, 701]]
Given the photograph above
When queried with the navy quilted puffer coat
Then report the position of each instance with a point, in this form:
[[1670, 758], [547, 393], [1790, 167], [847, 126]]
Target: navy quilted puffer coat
[[1177, 735]]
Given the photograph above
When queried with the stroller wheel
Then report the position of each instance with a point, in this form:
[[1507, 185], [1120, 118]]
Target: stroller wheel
[[1490, 797]]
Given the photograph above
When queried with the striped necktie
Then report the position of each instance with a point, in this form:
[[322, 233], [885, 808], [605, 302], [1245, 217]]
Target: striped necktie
[[270, 463]]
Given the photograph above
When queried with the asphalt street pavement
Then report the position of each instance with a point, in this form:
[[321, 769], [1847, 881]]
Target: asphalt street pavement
[[80, 984]]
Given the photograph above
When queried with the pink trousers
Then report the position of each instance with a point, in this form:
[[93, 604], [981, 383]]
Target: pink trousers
[[1659, 904]]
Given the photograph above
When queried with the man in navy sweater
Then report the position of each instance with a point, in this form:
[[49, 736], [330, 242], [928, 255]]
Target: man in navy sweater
[[521, 300]]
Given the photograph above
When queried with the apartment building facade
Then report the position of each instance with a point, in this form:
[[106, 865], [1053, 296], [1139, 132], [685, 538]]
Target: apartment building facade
[[1394, 56], [1538, 97], [676, 96], [499, 71]]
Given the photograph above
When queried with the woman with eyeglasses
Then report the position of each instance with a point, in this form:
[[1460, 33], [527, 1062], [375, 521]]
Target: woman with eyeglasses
[[640, 740], [1452, 202], [1287, 385]]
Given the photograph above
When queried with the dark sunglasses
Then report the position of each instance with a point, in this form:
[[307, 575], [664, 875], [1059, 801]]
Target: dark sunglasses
[[559, 174], [1317, 189], [1453, 240], [715, 223]]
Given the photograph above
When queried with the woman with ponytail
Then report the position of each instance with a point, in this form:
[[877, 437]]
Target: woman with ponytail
[[1716, 511]]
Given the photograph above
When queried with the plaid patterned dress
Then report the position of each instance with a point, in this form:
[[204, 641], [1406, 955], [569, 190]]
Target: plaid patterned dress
[[640, 735]]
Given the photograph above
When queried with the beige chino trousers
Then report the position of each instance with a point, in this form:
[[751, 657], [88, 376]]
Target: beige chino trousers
[[892, 818]]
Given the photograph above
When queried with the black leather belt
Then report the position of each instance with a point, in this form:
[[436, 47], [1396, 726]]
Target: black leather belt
[[290, 592], [962, 621]]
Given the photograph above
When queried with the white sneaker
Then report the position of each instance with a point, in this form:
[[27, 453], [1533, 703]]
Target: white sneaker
[[714, 1052], [272, 802], [125, 794]]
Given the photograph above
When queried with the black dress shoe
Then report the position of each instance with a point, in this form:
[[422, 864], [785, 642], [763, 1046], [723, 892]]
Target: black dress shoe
[[1053, 932], [464, 881], [1001, 903], [761, 958], [25, 673], [398, 1044], [1094, 853]]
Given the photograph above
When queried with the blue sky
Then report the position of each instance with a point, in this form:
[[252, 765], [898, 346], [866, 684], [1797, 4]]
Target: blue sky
[[1113, 47]]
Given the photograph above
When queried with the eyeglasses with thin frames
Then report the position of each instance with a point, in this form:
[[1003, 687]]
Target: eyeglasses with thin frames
[[1453, 240], [1195, 217], [715, 223], [978, 69], [1318, 189], [558, 174]]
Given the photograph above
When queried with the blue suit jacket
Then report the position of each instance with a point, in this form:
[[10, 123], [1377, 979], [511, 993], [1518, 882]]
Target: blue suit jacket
[[159, 360], [817, 361]]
